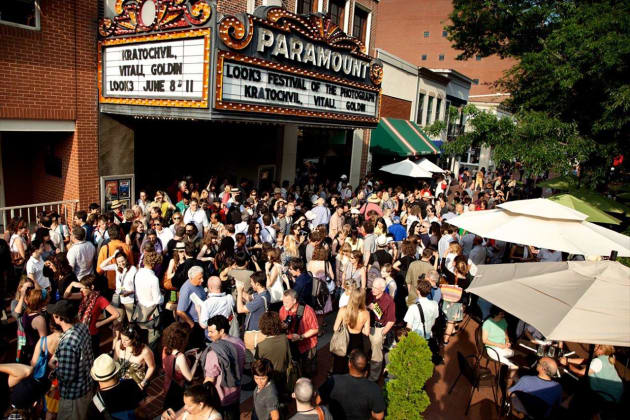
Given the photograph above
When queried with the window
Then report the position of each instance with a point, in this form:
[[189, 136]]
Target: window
[[429, 109], [306, 6], [22, 13], [441, 57], [444, 34], [420, 108], [478, 58], [426, 34], [424, 57], [359, 23], [336, 9], [438, 109], [475, 81]]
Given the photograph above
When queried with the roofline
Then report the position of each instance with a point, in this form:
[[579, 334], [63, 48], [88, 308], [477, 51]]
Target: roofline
[[397, 62], [454, 73], [431, 75]]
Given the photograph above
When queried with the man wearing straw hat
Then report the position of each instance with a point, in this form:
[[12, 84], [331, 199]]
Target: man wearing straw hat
[[118, 398]]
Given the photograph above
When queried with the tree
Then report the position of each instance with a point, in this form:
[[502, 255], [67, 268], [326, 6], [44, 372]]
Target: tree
[[574, 62], [410, 365]]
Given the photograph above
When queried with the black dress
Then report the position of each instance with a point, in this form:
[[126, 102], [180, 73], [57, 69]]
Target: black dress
[[357, 341]]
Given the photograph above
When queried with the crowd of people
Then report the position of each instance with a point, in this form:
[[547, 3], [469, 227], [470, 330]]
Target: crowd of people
[[209, 285]]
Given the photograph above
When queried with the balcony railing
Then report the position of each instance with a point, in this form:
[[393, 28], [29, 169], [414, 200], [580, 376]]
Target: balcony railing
[[65, 209]]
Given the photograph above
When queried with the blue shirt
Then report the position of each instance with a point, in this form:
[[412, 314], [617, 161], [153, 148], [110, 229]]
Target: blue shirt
[[435, 295], [184, 303], [304, 288], [322, 215], [398, 231], [256, 307], [548, 391]]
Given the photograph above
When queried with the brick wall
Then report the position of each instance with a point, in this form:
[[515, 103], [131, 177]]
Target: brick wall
[[395, 107], [401, 28], [50, 74]]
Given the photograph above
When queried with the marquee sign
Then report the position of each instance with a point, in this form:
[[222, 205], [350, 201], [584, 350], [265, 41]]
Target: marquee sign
[[153, 67], [276, 62]]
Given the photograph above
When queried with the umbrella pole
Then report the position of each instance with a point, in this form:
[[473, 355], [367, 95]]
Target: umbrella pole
[[613, 256], [591, 351]]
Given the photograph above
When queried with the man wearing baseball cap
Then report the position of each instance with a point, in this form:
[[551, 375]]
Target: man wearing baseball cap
[[73, 359], [118, 398]]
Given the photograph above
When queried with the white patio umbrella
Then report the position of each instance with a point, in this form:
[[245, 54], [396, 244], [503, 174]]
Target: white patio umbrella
[[544, 224], [429, 166], [406, 168], [577, 301]]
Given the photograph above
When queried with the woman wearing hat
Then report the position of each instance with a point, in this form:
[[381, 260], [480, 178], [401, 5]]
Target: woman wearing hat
[[119, 398], [373, 203]]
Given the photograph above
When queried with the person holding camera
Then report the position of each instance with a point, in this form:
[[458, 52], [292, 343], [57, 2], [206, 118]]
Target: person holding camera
[[253, 304], [300, 322]]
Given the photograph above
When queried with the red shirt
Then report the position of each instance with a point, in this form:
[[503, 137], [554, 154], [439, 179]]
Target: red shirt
[[309, 322], [384, 309], [99, 306]]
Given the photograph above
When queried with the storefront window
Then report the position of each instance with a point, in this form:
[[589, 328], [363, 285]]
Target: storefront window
[[23, 13], [420, 108], [438, 109], [429, 109]]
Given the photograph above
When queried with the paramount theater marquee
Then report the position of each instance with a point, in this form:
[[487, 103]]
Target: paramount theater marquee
[[170, 58]]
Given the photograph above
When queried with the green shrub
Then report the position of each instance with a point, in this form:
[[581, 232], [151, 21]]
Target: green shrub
[[410, 365]]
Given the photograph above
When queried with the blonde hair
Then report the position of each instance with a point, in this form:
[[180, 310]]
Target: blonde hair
[[290, 246], [609, 351], [356, 303], [454, 248]]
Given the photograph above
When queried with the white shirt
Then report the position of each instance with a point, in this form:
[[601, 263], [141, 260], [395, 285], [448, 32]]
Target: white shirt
[[124, 281], [267, 234], [410, 219], [81, 258], [165, 236], [343, 300], [199, 218], [216, 304], [547, 255], [148, 288], [414, 320], [36, 268], [241, 228]]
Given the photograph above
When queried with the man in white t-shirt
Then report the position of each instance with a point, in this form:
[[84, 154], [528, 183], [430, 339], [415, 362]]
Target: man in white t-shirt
[[197, 216], [81, 254], [430, 310], [549, 255], [35, 266]]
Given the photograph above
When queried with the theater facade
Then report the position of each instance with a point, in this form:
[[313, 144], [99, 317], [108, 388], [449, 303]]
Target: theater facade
[[186, 90]]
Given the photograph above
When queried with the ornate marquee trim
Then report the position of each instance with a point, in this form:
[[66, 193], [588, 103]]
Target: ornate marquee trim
[[237, 34], [169, 15]]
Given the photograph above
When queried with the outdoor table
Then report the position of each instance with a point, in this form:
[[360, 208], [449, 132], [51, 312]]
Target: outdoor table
[[546, 349]]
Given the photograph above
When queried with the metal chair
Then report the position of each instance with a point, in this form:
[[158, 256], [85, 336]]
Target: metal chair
[[477, 376], [535, 408]]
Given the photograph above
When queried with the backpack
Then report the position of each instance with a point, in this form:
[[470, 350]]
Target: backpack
[[320, 293]]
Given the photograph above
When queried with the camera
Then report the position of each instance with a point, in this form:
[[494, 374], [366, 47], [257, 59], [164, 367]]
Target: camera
[[288, 321]]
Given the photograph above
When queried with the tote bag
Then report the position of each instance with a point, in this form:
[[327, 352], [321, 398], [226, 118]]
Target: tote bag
[[339, 341]]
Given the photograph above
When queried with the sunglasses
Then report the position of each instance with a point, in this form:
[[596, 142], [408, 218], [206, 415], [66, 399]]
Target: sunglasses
[[177, 218], [189, 231], [157, 224]]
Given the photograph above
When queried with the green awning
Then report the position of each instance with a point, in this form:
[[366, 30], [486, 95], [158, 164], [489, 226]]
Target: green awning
[[398, 137]]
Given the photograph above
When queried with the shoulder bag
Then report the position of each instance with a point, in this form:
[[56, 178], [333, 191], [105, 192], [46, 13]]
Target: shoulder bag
[[339, 341], [451, 292], [39, 370]]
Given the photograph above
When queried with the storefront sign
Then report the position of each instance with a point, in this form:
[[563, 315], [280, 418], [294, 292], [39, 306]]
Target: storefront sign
[[249, 84], [156, 53], [276, 62], [173, 71]]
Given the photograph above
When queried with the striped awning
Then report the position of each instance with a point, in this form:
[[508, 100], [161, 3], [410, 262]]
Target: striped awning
[[399, 137]]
